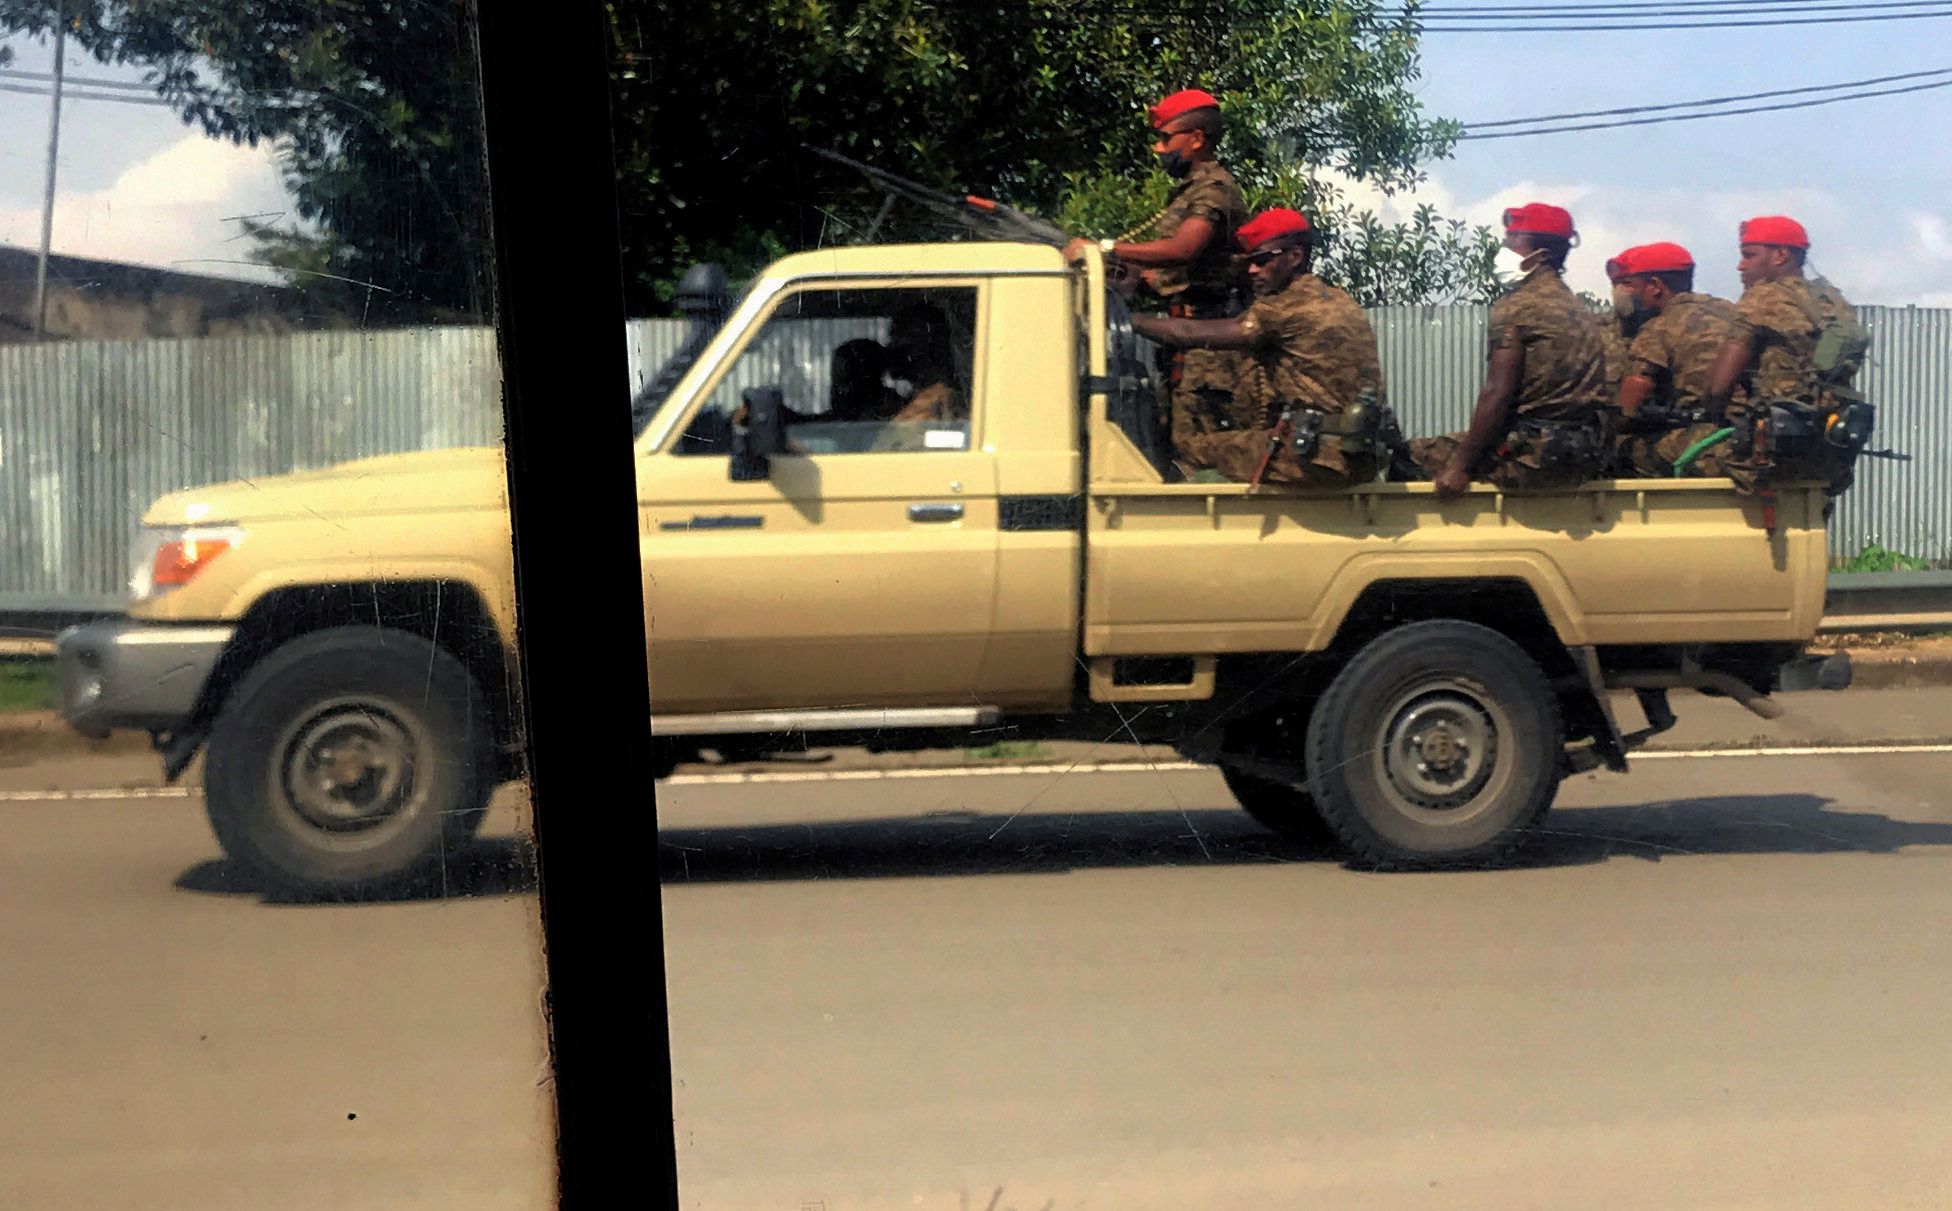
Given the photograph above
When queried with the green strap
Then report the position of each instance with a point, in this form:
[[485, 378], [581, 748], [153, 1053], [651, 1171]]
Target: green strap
[[1693, 452]]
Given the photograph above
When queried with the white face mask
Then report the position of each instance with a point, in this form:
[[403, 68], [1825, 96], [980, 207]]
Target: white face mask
[[1509, 265]]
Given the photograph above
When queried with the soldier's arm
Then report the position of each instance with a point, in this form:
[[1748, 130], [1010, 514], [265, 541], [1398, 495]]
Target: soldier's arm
[[1196, 334], [1488, 419], [1188, 241], [1634, 390], [1729, 363]]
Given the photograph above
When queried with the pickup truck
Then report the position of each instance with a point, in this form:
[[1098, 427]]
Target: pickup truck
[[1407, 676]]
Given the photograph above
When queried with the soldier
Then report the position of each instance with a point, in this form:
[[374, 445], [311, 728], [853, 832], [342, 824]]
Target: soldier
[[1663, 398], [1616, 334], [1774, 352], [1190, 265], [1537, 422], [1309, 371]]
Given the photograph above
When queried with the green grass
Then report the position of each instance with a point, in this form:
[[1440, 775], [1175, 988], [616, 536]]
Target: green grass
[[1010, 750], [26, 685]]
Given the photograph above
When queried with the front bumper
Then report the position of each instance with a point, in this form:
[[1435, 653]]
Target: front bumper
[[129, 674]]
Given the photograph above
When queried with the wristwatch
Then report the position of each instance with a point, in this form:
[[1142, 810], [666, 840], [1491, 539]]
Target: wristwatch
[[1107, 246]]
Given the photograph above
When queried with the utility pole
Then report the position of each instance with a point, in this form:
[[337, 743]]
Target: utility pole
[[47, 200]]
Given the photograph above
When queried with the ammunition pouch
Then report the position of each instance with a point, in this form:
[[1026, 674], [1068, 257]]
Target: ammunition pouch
[[1572, 448], [1306, 439], [1849, 428], [1794, 431]]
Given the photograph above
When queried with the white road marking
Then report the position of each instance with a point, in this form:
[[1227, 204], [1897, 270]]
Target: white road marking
[[1013, 771]]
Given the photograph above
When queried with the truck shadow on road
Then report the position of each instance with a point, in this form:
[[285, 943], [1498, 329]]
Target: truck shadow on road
[[490, 867], [983, 843]]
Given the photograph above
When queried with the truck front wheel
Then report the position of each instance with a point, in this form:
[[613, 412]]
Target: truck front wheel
[[349, 758], [1436, 745]]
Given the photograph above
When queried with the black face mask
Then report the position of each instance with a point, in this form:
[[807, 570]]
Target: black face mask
[[1175, 164]]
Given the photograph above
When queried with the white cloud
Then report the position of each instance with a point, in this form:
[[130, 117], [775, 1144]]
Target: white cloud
[[1890, 259], [170, 210]]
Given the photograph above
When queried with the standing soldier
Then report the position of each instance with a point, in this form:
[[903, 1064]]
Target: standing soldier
[[1309, 371], [1796, 346], [1538, 417], [1190, 265], [1663, 398]]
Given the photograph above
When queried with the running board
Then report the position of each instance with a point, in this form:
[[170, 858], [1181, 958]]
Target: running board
[[856, 719]]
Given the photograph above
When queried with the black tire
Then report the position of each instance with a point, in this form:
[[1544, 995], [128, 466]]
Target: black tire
[[1438, 745], [407, 783], [1281, 809]]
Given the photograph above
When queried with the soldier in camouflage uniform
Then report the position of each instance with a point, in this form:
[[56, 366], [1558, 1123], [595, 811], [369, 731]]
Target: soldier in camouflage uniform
[[1772, 353], [1538, 418], [1306, 351], [1663, 398], [1190, 265], [1616, 333]]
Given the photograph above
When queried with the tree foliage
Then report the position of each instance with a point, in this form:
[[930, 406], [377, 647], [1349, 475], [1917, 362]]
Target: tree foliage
[[374, 107], [1037, 102]]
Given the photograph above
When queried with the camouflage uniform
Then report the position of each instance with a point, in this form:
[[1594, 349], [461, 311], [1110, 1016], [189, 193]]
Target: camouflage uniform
[[1561, 380], [1313, 348], [1614, 339], [1832, 307], [1784, 318], [1677, 349], [1200, 382]]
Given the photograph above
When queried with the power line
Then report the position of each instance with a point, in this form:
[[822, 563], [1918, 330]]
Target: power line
[[1435, 28], [1720, 113], [41, 77], [1647, 109], [70, 95], [1640, 8]]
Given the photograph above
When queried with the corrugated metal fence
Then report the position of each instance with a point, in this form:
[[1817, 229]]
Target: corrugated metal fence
[[90, 433]]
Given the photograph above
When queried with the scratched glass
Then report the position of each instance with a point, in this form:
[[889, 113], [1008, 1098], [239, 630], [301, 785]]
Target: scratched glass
[[1094, 803], [270, 931]]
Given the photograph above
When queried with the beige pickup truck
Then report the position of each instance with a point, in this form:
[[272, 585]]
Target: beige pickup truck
[[1410, 676]]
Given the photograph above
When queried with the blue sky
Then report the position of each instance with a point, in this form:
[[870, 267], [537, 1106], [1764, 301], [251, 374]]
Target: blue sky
[[1871, 179]]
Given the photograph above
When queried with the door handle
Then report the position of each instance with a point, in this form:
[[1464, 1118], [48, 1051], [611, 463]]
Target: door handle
[[934, 512]]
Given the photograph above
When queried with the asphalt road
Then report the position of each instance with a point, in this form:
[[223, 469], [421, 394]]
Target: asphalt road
[[1718, 982]]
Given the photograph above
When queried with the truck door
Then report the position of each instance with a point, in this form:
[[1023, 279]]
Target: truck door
[[862, 572]]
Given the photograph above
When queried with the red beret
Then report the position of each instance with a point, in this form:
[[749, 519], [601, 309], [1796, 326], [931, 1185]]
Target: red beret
[[1775, 229], [1270, 225], [1181, 103], [1650, 258], [1536, 218]]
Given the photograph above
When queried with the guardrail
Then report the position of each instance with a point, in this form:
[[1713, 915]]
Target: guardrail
[[1887, 601], [1853, 601]]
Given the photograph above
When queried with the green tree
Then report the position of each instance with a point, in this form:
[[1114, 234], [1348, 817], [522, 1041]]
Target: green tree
[[1037, 102], [373, 106]]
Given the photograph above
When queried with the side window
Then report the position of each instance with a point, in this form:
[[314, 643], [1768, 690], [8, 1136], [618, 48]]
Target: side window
[[862, 370]]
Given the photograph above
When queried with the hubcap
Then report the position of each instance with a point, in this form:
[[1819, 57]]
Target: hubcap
[[1440, 747], [350, 767]]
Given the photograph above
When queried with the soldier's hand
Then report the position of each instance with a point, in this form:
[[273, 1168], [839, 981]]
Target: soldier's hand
[[1452, 481], [1075, 250]]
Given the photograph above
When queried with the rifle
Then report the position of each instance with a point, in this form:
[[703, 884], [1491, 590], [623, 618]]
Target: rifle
[[987, 218], [1283, 426]]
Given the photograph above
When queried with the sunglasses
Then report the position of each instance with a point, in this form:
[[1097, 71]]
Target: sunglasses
[[1262, 259]]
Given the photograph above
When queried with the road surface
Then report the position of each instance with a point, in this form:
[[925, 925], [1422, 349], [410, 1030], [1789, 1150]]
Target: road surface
[[1719, 982]]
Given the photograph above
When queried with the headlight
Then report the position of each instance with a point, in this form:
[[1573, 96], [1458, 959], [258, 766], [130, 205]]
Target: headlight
[[169, 557]]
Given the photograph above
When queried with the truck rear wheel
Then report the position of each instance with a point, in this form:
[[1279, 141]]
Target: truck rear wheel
[[1437, 745], [349, 758], [1282, 809]]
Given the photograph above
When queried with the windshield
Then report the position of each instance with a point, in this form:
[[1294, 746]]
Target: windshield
[[672, 345]]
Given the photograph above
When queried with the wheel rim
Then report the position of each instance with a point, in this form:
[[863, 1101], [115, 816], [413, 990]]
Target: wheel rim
[[349, 768], [1440, 756]]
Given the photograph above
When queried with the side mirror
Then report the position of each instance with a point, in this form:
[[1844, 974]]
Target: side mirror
[[763, 434]]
